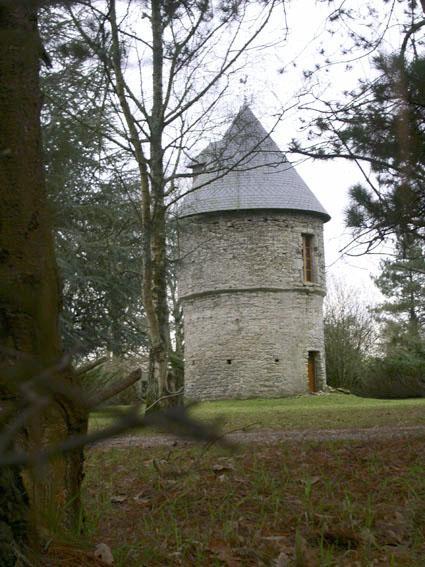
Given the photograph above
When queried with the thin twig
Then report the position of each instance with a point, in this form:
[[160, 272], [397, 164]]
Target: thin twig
[[178, 393], [210, 444]]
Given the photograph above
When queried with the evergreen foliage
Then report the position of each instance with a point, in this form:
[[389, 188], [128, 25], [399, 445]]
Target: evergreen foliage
[[399, 374], [380, 127], [98, 236], [400, 371], [402, 282], [385, 127]]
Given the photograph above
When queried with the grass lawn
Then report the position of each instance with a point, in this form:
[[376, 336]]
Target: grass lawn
[[332, 411], [306, 504]]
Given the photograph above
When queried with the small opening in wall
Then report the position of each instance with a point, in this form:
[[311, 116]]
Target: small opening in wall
[[193, 363], [276, 360], [229, 361]]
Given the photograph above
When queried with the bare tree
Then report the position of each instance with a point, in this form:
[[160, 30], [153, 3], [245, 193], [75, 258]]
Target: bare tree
[[184, 54], [350, 334]]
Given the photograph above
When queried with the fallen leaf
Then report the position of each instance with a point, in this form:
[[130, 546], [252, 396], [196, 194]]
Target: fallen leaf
[[141, 498], [218, 468], [225, 554], [241, 480], [341, 538], [392, 530], [393, 537], [118, 499], [282, 560], [311, 481], [367, 536], [103, 553]]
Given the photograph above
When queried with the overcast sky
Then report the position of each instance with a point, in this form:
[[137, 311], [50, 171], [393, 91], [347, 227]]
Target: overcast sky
[[271, 78]]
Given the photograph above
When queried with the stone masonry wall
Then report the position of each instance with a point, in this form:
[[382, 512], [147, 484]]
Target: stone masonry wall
[[249, 318]]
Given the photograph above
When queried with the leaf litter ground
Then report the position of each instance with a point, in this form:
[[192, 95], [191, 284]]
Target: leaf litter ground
[[282, 503]]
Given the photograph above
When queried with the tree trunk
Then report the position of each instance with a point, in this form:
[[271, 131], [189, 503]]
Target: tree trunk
[[159, 292], [161, 342], [152, 204], [176, 357], [29, 295], [13, 515]]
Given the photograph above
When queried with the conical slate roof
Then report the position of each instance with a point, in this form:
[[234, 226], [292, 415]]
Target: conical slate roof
[[247, 170]]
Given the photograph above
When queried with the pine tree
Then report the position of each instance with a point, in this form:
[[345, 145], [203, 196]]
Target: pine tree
[[386, 128], [400, 370], [380, 126], [402, 282]]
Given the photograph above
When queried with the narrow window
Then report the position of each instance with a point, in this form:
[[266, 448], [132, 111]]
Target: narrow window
[[308, 257], [229, 361]]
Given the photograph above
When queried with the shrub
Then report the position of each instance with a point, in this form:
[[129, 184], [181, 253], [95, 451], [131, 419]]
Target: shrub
[[350, 335], [398, 375]]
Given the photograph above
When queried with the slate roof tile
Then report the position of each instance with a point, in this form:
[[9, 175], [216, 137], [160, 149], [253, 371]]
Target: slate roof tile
[[247, 170]]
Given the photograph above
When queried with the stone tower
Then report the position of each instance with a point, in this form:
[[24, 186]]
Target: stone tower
[[251, 274]]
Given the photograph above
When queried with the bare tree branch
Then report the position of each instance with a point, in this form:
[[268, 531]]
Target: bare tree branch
[[115, 388], [80, 370]]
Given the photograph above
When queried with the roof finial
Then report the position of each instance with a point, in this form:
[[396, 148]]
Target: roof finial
[[247, 95]]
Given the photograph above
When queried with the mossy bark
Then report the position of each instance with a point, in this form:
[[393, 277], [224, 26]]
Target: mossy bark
[[13, 516], [29, 294]]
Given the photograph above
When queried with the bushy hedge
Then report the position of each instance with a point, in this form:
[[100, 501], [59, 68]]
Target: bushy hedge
[[398, 375], [344, 362]]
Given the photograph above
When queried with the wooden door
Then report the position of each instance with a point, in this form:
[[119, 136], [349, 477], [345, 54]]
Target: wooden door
[[312, 386]]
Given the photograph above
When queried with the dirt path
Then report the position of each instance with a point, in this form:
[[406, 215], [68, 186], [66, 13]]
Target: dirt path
[[270, 436]]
